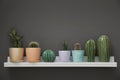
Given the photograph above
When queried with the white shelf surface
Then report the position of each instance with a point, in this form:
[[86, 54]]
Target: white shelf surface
[[57, 63]]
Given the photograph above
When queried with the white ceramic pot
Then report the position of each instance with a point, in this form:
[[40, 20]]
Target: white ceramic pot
[[16, 54], [64, 56]]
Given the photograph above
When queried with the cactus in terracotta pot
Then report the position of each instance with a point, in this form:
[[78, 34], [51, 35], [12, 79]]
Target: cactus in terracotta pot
[[16, 52], [33, 52], [103, 48], [90, 49], [77, 53]]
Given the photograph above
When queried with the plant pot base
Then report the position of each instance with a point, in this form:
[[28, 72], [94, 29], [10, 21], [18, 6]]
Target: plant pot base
[[33, 60], [16, 61]]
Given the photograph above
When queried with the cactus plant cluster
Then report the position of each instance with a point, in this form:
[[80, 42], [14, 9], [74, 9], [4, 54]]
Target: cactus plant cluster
[[103, 49], [15, 38]]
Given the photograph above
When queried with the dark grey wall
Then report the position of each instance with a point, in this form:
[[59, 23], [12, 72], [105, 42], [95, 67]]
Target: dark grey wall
[[50, 22]]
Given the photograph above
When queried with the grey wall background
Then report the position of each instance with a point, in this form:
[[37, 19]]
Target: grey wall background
[[50, 22]]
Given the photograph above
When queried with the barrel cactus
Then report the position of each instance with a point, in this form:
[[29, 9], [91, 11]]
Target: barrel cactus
[[90, 49], [77, 46], [34, 44], [103, 48], [48, 56]]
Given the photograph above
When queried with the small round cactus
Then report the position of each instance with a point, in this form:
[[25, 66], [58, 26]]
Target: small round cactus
[[48, 55], [34, 44], [77, 46]]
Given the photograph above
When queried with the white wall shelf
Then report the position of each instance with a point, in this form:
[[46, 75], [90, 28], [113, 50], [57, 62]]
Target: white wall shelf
[[112, 63]]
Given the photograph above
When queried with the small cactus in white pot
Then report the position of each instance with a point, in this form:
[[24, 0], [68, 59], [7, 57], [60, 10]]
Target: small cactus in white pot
[[16, 52], [64, 55]]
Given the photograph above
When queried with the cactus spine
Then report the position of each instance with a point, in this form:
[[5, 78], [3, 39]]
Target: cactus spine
[[90, 49], [103, 48], [77, 46]]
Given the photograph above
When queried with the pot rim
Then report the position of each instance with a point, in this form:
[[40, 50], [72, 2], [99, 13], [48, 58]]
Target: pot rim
[[64, 50], [78, 50], [32, 48], [16, 48]]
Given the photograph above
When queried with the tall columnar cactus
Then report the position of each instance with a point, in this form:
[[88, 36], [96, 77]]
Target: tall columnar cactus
[[77, 46], [90, 49], [103, 48]]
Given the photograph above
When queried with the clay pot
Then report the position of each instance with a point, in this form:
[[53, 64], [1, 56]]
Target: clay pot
[[33, 54], [16, 54]]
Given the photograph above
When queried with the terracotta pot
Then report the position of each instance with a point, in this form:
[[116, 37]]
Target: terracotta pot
[[16, 54], [33, 54]]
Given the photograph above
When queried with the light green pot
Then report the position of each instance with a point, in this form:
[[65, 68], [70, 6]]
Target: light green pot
[[78, 55]]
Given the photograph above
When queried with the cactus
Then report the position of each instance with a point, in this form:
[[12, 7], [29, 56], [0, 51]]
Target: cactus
[[103, 48], [77, 46], [48, 56], [90, 49], [34, 44], [65, 46], [16, 40]]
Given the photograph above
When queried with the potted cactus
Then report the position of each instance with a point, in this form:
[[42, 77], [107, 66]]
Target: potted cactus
[[103, 48], [16, 52], [64, 55], [77, 53], [90, 49], [33, 52]]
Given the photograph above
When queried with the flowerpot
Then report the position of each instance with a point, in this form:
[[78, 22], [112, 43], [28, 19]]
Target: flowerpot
[[33, 54], [64, 56], [78, 55], [16, 54]]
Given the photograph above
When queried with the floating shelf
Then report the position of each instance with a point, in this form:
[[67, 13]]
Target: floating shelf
[[112, 63]]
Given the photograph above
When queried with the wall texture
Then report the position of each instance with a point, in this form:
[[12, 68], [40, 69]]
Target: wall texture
[[50, 22]]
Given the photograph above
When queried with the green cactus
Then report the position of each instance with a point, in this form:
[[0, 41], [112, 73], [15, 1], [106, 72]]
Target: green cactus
[[90, 49], [103, 48], [65, 46], [15, 39], [77, 46], [34, 44], [48, 56]]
